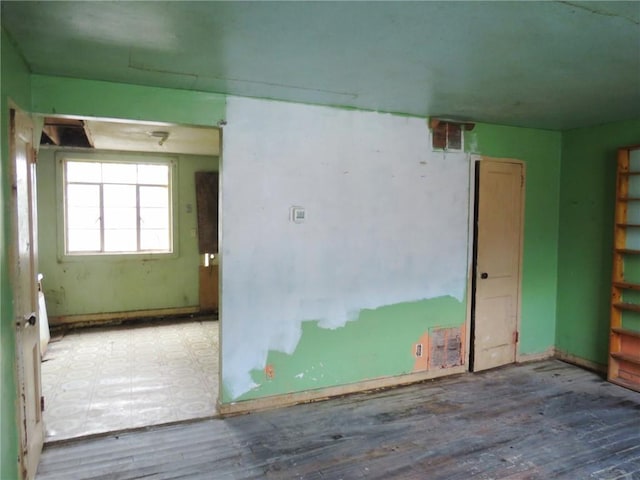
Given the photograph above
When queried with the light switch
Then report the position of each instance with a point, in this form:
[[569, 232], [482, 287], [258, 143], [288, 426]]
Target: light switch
[[298, 214]]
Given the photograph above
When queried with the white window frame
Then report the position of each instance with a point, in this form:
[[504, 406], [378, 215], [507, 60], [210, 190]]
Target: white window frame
[[115, 157]]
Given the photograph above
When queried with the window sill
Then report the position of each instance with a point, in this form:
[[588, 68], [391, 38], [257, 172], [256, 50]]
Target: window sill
[[116, 257]]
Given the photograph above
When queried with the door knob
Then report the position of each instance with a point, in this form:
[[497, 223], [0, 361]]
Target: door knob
[[484, 275], [30, 319]]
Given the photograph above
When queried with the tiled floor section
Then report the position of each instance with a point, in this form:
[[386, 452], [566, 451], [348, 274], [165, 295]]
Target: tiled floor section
[[105, 379]]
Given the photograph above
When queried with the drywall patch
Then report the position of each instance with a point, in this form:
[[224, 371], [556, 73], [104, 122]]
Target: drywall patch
[[393, 230], [446, 347]]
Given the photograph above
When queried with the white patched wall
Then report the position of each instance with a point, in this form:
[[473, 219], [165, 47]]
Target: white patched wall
[[386, 222]]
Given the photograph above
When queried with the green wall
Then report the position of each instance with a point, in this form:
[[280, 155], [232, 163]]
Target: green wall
[[15, 85], [77, 97], [567, 244], [356, 353], [90, 98], [540, 149], [586, 237], [377, 343], [99, 284], [65, 96]]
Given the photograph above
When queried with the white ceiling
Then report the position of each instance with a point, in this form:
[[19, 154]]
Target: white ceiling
[[553, 64], [140, 137]]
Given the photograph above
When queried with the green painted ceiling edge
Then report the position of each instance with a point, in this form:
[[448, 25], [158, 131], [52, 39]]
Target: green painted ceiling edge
[[109, 100], [53, 95], [66, 96]]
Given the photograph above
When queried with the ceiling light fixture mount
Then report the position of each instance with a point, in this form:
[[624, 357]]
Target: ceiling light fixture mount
[[163, 135]]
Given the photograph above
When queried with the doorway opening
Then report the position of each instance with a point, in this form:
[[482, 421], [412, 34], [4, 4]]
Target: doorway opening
[[134, 332]]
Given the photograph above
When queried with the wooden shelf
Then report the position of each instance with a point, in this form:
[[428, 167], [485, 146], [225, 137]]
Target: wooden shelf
[[628, 251], [624, 344], [627, 285], [634, 307], [625, 357], [625, 332], [625, 383]]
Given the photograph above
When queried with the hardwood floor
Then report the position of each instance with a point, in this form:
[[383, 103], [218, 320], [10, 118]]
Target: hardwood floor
[[541, 420]]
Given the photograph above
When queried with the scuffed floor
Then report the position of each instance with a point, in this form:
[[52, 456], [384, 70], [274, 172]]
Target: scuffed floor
[[537, 421], [106, 379]]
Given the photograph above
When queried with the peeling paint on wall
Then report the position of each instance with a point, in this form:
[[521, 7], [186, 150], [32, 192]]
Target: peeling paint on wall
[[372, 346], [269, 372], [394, 230]]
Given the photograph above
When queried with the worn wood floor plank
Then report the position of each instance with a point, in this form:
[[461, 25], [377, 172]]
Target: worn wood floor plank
[[535, 421]]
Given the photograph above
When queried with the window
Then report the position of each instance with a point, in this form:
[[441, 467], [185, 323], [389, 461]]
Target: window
[[117, 207]]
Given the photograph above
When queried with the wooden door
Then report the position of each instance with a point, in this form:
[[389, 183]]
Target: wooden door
[[499, 225], [23, 254], [207, 211]]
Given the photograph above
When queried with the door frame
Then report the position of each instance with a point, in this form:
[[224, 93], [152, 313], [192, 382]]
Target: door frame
[[474, 195], [27, 460]]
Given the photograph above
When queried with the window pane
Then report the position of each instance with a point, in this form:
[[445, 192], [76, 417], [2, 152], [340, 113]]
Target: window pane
[[153, 174], [154, 240], [83, 195], [119, 172], [83, 240], [83, 172], [154, 197], [119, 196], [120, 240], [83, 217], [154, 218], [119, 192], [119, 218]]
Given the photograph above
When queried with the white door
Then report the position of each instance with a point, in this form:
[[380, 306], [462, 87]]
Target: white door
[[498, 259], [23, 254]]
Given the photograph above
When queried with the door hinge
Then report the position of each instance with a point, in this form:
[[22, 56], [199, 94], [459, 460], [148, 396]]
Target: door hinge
[[42, 403], [516, 337], [521, 181]]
